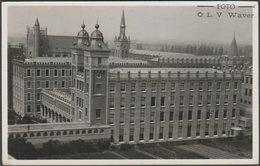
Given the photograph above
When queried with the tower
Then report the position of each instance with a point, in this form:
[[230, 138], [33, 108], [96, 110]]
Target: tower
[[122, 43], [233, 52], [33, 40], [36, 38], [90, 78]]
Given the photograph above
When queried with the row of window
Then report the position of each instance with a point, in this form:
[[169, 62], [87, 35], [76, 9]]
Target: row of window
[[46, 84], [29, 108], [172, 100], [173, 86], [209, 114], [47, 72], [170, 131], [248, 92], [58, 133]]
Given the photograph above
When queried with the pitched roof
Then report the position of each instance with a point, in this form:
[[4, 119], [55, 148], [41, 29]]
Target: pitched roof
[[60, 43]]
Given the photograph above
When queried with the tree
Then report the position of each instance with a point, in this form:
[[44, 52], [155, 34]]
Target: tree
[[19, 148]]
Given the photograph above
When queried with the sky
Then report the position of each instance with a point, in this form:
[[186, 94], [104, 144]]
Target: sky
[[143, 23]]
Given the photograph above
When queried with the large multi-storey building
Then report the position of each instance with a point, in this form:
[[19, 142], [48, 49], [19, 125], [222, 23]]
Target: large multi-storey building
[[170, 97]]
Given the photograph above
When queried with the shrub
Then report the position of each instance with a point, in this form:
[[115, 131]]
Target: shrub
[[103, 145], [126, 146], [19, 148]]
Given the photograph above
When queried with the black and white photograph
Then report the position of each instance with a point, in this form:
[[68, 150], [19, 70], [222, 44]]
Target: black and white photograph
[[130, 83]]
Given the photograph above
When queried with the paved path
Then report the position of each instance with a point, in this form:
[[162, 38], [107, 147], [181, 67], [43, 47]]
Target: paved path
[[148, 154], [208, 152]]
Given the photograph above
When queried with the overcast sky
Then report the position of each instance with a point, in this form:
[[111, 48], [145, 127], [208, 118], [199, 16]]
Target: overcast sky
[[144, 23]]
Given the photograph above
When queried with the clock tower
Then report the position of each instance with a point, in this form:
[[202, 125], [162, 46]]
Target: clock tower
[[90, 71]]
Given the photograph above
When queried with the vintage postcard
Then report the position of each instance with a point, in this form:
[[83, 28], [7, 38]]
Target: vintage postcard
[[130, 83]]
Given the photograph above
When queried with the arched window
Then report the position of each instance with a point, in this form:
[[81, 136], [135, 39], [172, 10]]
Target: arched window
[[25, 135], [64, 133], [58, 133], [31, 134], [83, 132], [71, 132], [77, 132], [45, 134], [39, 134], [52, 133]]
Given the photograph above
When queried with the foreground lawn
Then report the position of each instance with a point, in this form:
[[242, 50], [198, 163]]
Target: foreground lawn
[[241, 147], [133, 154], [94, 155]]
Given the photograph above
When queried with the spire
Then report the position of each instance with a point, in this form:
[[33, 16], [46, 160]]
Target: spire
[[37, 22], [123, 20], [83, 25], [233, 50]]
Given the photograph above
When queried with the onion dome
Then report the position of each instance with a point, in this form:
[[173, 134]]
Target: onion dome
[[83, 36], [96, 34]]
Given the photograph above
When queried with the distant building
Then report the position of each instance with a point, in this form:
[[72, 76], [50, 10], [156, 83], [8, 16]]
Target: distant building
[[122, 43], [39, 44]]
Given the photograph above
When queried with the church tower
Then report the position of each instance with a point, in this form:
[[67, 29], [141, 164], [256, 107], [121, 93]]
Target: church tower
[[233, 52], [122, 43], [90, 78]]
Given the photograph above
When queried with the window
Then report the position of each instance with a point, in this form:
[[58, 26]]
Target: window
[[122, 87], [38, 96], [151, 131], [153, 101], [208, 113], [209, 99], [161, 116], [38, 73], [227, 85], [142, 100], [235, 85], [28, 84], [251, 80], [86, 111], [225, 113], [142, 116], [28, 72], [98, 113], [131, 135], [112, 101], [246, 79], [171, 114], [181, 100], [38, 84], [218, 85], [198, 130], [216, 113], [112, 87], [141, 136], [55, 84], [63, 84], [98, 88], [190, 115], [209, 85], [215, 129], [121, 116], [132, 104], [191, 100], [132, 116], [80, 114], [172, 99], [226, 99], [162, 101], [121, 133], [233, 112], [189, 131], [62, 72], [182, 86], [122, 101], [171, 130], [153, 87], [47, 72], [161, 133], [217, 99], [234, 98], [47, 84], [250, 92], [111, 118], [180, 115], [199, 114], [245, 91], [200, 85], [28, 108], [163, 85], [172, 86], [152, 116], [191, 85], [28, 96], [55, 72], [133, 87], [143, 87], [99, 60]]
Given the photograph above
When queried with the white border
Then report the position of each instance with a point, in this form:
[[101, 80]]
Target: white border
[[7, 161]]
